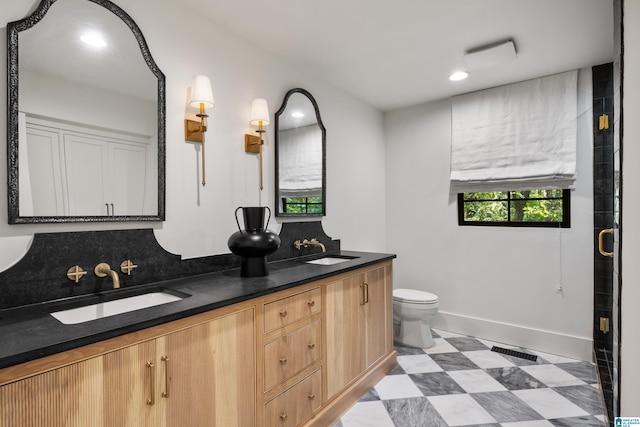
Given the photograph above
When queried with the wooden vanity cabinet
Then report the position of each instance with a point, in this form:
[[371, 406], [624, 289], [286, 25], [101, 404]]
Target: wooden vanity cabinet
[[298, 357], [200, 375]]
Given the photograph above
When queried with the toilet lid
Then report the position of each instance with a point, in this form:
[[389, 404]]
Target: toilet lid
[[414, 296]]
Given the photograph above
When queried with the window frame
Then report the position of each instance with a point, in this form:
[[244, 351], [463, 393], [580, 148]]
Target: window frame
[[566, 213], [306, 204]]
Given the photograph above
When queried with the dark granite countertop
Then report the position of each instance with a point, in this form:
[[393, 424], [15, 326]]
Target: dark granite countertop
[[30, 332]]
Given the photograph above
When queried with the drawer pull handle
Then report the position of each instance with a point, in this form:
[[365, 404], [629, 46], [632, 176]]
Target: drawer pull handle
[[311, 346], [311, 396], [311, 303], [283, 416], [284, 360], [152, 383], [283, 313]]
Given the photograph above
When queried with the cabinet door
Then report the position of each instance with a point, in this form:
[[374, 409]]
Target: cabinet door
[[377, 310], [128, 170], [130, 386], [67, 397], [101, 172], [358, 324], [41, 183], [109, 391], [208, 372], [345, 326], [87, 162]]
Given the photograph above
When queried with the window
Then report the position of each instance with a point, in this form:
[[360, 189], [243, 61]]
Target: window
[[302, 204], [528, 208]]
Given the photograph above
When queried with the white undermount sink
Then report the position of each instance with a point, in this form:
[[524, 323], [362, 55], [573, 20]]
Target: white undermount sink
[[111, 308], [329, 261]]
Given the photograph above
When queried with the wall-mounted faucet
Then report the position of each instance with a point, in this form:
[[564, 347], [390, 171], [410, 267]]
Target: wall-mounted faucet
[[306, 243], [103, 269]]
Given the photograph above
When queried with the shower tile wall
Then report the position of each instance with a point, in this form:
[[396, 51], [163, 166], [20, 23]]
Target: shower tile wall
[[603, 200]]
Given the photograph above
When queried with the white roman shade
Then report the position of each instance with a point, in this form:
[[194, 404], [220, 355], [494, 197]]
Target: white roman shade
[[515, 137], [300, 161]]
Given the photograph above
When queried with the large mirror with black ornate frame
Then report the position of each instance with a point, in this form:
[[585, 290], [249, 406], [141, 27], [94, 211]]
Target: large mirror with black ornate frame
[[86, 117], [300, 157]]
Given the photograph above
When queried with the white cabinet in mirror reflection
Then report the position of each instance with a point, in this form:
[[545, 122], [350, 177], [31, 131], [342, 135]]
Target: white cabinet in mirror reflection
[[71, 169]]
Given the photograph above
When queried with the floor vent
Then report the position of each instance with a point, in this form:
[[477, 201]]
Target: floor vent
[[515, 353]]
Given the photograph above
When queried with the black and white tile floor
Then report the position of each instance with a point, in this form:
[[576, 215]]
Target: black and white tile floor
[[461, 382]]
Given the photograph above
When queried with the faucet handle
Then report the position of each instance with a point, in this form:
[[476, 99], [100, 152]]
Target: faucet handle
[[127, 266], [75, 273], [298, 244]]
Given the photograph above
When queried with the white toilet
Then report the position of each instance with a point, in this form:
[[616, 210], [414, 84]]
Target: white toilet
[[412, 310]]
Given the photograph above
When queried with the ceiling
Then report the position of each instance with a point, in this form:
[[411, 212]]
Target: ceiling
[[52, 48], [393, 54]]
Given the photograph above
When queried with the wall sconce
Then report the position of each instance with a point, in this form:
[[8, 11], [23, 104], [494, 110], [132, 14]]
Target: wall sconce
[[201, 97], [260, 117]]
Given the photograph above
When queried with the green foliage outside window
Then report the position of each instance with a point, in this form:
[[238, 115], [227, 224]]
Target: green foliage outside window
[[303, 204], [526, 207]]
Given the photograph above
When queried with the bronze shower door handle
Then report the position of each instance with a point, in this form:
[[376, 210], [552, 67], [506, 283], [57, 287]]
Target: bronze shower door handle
[[601, 244]]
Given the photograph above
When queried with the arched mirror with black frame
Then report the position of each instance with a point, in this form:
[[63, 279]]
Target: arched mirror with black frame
[[86, 117], [300, 157]]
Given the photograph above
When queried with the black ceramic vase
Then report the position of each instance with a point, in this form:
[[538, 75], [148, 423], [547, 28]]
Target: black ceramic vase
[[255, 242]]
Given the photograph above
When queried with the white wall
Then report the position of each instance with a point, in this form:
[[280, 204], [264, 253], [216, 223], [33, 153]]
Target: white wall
[[199, 219], [499, 283], [630, 296]]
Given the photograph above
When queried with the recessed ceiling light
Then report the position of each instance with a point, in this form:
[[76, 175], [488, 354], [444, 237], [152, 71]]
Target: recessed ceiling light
[[93, 39], [297, 114], [458, 75]]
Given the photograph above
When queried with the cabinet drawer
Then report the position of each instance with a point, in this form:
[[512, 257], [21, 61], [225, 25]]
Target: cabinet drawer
[[291, 353], [296, 404], [291, 309]]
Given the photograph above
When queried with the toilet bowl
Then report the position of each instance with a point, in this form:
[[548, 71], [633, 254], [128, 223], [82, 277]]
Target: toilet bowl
[[412, 310]]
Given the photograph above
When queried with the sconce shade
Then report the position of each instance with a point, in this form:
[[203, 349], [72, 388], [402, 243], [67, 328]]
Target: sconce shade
[[201, 92], [259, 112]]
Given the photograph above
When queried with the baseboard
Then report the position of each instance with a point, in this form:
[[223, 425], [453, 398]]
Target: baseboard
[[531, 338]]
